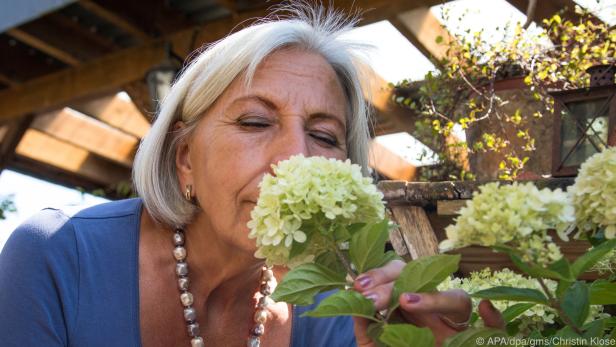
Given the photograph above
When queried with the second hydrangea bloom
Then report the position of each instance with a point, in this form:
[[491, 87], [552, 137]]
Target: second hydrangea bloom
[[303, 204], [518, 215]]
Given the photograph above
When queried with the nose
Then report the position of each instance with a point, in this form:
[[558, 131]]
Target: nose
[[290, 141]]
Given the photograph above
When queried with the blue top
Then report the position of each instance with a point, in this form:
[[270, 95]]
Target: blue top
[[74, 282]]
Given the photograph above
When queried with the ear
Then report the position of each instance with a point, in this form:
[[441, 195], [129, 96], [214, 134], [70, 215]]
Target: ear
[[183, 164]]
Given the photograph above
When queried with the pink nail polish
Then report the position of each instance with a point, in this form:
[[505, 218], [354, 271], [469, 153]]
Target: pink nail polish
[[364, 281], [411, 298], [372, 296]]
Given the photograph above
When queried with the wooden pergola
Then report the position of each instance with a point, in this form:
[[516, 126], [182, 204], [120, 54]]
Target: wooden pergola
[[67, 68]]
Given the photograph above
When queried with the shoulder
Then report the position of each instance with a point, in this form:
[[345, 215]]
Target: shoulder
[[113, 209], [55, 231], [321, 332]]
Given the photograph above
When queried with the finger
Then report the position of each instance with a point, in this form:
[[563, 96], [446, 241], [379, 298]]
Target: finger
[[453, 304], [376, 277], [380, 295], [360, 326], [490, 315]]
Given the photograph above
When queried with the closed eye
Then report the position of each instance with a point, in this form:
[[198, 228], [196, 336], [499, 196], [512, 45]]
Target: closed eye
[[324, 138], [253, 122]]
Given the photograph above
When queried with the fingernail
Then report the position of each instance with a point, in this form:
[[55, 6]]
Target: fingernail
[[411, 298], [372, 296], [364, 281]]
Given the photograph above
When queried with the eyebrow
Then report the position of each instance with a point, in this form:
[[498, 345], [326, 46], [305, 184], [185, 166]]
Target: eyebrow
[[270, 104]]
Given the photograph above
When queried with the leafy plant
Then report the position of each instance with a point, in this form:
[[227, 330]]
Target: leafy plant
[[462, 91], [324, 196]]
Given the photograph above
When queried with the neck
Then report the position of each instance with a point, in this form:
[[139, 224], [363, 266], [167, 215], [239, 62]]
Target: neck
[[223, 275]]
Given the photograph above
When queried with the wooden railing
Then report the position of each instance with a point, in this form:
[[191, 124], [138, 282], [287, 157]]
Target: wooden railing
[[423, 210]]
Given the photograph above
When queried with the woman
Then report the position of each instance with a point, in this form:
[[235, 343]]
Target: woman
[[108, 276]]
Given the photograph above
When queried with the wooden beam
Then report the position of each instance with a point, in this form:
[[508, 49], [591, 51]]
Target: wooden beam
[[114, 19], [46, 149], [54, 174], [424, 29], [389, 164], [139, 94], [113, 71], [449, 207], [102, 76], [409, 35], [380, 94], [547, 9], [43, 46], [11, 135], [119, 112], [229, 5], [88, 133], [6, 80]]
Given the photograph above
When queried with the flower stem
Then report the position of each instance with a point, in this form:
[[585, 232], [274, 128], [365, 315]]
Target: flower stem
[[345, 262], [555, 304]]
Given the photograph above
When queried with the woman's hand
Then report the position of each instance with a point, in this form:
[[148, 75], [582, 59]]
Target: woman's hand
[[445, 313]]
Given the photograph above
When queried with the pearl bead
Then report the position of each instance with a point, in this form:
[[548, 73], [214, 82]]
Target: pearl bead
[[179, 253], [253, 342], [193, 329], [197, 342], [178, 239], [260, 316], [258, 330], [181, 269], [265, 301], [186, 298], [268, 275], [190, 315], [266, 289], [183, 283]]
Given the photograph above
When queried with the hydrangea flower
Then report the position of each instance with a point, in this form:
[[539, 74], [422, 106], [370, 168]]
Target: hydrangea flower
[[517, 215], [531, 320], [304, 202], [594, 193]]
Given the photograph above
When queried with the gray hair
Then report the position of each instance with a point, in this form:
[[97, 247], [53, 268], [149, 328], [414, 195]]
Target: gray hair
[[315, 29]]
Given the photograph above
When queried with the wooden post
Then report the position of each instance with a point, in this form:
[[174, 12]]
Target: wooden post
[[11, 138], [415, 230]]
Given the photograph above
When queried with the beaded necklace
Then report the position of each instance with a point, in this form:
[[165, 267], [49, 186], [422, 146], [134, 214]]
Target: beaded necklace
[[266, 286]]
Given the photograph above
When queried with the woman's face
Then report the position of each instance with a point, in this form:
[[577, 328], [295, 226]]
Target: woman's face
[[295, 105]]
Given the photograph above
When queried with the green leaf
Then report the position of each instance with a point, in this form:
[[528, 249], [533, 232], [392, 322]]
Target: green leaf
[[355, 227], [562, 287], [300, 285], [344, 303], [513, 311], [563, 268], [603, 292], [576, 302], [535, 270], [367, 247], [341, 234], [403, 335], [439, 39], [591, 257], [594, 329], [298, 248], [330, 260], [567, 333], [512, 294], [474, 337], [374, 331], [423, 275]]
